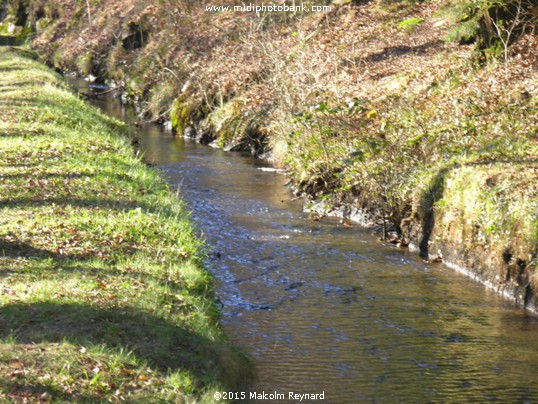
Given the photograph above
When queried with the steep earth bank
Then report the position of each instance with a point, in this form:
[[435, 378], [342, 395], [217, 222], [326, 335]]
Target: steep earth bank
[[423, 115]]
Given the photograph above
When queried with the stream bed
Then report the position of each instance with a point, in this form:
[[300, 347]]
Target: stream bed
[[325, 308]]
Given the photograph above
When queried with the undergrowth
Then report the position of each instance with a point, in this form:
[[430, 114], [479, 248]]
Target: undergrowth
[[366, 104]]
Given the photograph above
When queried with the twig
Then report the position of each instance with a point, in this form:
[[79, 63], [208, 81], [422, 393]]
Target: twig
[[89, 12]]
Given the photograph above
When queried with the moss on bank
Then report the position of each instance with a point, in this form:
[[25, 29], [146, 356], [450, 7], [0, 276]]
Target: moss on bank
[[362, 109], [104, 295], [482, 216]]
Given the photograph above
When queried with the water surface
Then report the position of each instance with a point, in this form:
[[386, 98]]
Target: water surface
[[322, 307]]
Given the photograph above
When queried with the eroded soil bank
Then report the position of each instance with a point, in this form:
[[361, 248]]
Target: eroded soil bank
[[412, 113]]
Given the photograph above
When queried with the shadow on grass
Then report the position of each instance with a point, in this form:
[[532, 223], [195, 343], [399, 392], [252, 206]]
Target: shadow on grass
[[18, 84], [19, 249], [9, 68], [24, 392], [16, 132], [63, 266], [163, 344], [21, 101], [68, 176], [63, 195], [111, 204]]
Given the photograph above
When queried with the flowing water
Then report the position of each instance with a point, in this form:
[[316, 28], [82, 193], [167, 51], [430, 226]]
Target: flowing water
[[326, 308]]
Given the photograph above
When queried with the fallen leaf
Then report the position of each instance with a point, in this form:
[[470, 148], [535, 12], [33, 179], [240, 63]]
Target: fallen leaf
[[16, 364]]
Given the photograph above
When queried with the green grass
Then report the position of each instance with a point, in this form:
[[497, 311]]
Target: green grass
[[104, 294]]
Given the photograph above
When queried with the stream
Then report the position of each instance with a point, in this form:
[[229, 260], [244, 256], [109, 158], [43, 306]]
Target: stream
[[325, 308]]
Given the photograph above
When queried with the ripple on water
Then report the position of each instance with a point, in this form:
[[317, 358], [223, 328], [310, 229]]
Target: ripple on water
[[321, 307]]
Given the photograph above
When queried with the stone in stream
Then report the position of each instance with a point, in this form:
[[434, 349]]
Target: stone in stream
[[190, 132], [294, 285]]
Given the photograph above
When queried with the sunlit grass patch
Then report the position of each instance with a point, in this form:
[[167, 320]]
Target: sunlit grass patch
[[104, 295]]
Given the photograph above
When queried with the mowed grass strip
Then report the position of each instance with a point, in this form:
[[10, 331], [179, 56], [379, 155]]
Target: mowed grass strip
[[103, 294]]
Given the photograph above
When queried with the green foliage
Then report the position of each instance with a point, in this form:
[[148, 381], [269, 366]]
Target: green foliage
[[85, 63], [179, 115], [490, 23], [380, 152], [161, 98], [463, 31], [410, 24], [465, 17], [15, 22]]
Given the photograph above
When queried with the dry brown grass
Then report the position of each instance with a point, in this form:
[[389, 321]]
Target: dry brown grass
[[419, 104]]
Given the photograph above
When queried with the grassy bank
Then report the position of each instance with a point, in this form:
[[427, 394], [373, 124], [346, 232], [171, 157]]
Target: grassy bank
[[104, 295], [420, 113]]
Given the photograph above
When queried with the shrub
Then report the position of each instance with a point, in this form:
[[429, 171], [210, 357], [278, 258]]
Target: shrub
[[491, 23]]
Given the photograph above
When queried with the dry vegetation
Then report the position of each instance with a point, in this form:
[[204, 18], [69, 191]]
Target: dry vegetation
[[367, 104]]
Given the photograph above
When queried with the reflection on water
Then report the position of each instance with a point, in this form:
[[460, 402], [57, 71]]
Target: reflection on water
[[321, 307]]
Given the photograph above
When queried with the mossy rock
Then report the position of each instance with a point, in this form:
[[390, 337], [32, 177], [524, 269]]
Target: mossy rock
[[179, 115]]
